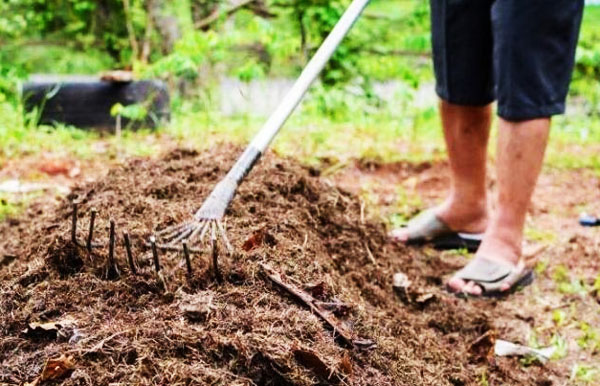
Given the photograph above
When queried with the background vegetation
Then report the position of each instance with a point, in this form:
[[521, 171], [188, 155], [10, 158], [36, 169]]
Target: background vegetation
[[192, 44]]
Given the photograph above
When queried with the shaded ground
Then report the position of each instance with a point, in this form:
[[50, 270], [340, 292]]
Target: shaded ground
[[246, 331]]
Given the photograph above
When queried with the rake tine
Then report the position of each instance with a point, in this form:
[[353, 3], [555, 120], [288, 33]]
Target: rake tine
[[172, 230], [91, 231], [215, 253], [182, 236], [112, 268], [74, 224], [129, 254], [186, 256], [224, 235], [204, 230], [155, 254], [111, 243], [197, 230]]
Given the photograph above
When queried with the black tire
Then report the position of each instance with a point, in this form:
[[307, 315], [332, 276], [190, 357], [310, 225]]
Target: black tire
[[88, 103]]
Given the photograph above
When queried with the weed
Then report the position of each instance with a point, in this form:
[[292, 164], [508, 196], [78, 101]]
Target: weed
[[590, 338], [584, 373]]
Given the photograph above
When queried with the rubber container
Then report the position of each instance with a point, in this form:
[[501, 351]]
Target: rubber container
[[87, 103]]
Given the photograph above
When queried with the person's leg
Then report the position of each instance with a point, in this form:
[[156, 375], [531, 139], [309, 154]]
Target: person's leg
[[521, 147], [466, 132], [534, 49], [462, 57]]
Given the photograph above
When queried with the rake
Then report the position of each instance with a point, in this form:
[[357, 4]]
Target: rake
[[208, 219]]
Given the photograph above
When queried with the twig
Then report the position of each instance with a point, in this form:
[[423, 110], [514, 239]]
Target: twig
[[130, 32], [369, 254], [216, 14], [339, 330]]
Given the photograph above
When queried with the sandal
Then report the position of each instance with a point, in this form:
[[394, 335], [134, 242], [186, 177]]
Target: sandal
[[428, 228], [491, 276]]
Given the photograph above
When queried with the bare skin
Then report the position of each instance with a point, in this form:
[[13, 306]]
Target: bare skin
[[521, 148], [520, 154], [466, 132]]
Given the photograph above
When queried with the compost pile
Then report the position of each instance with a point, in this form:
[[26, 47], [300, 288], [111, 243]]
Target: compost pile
[[56, 301]]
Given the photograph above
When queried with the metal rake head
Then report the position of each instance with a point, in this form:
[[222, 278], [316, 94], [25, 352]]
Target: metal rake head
[[207, 221], [191, 235]]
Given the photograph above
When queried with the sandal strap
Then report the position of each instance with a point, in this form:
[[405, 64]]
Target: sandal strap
[[492, 275], [426, 226]]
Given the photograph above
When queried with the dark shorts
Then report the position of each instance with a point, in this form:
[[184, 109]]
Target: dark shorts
[[520, 52]]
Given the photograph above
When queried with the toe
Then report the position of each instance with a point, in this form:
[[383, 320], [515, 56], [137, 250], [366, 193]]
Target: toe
[[399, 234], [473, 289], [457, 284]]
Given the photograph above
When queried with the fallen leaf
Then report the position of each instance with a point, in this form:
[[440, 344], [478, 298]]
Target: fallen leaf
[[318, 291], [254, 241], [482, 349], [48, 330], [55, 167], [339, 309], [311, 361], [57, 367], [346, 364], [424, 298]]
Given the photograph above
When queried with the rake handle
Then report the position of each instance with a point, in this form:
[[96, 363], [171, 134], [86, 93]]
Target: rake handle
[[269, 130]]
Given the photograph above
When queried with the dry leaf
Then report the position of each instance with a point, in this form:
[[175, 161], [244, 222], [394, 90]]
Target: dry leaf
[[47, 330], [54, 167], [254, 241], [346, 364], [311, 361], [482, 349], [56, 368]]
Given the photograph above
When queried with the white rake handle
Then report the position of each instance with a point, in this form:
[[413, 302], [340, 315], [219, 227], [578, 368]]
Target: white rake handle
[[270, 129]]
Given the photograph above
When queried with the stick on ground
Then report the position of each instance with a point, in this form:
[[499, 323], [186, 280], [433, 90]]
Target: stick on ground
[[340, 331]]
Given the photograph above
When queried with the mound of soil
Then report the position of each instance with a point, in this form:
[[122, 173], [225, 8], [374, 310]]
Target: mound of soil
[[56, 299]]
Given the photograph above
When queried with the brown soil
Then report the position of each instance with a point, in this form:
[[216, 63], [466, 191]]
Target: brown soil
[[131, 330]]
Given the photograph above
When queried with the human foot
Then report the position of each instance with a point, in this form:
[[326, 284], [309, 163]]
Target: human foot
[[450, 218], [496, 268]]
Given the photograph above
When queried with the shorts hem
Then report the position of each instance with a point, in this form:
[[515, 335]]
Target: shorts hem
[[463, 101], [511, 113]]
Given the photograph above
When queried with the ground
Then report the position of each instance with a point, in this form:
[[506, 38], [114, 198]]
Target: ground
[[322, 228]]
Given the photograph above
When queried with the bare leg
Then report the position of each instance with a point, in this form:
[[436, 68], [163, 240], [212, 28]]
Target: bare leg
[[466, 132], [521, 148]]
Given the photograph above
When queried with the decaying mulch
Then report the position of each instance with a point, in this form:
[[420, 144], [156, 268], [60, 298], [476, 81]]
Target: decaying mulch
[[55, 299]]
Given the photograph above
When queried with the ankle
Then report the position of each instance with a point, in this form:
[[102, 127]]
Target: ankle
[[502, 243], [464, 215]]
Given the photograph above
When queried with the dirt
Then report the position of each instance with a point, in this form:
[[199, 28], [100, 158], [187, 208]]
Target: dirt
[[193, 329]]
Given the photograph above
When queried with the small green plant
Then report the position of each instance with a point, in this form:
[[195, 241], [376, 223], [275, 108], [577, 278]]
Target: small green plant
[[541, 266], [8, 209], [590, 338], [559, 317], [561, 346], [541, 235], [584, 373]]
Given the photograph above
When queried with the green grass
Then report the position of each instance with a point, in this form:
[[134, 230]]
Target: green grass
[[8, 209]]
